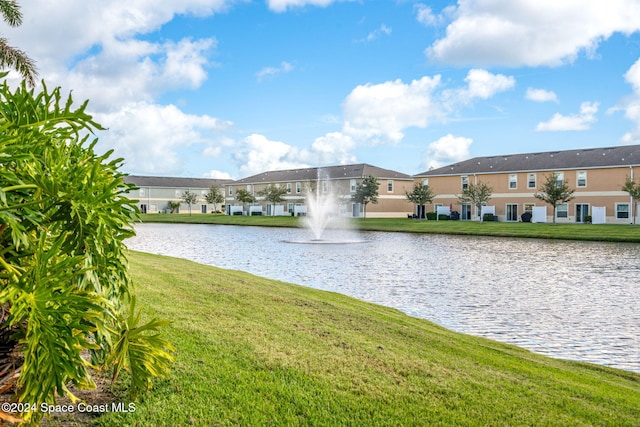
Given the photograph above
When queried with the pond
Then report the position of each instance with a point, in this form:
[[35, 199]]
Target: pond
[[572, 300]]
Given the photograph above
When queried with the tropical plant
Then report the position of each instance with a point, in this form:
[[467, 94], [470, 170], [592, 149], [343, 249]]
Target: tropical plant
[[366, 192], [273, 194], [173, 206], [476, 194], [421, 195], [64, 281], [633, 188], [554, 192], [10, 56], [245, 197], [214, 196], [189, 197]]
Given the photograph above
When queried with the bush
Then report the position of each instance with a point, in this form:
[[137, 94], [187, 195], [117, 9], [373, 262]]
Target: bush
[[489, 217], [64, 281], [432, 216], [443, 217]]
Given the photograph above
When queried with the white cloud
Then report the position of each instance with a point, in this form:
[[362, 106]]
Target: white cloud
[[448, 149], [261, 154], [385, 110], [540, 95], [580, 121], [215, 174], [211, 151], [334, 147], [425, 15], [148, 135], [483, 84], [283, 5], [531, 32], [631, 104], [285, 67], [382, 31]]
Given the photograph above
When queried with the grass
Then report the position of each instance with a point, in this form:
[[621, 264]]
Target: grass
[[253, 351], [593, 232]]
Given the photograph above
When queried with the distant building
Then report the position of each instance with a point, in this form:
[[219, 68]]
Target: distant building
[[154, 193], [596, 174], [339, 180]]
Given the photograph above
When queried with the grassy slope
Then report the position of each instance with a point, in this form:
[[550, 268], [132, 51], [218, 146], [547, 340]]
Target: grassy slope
[[605, 232], [253, 351]]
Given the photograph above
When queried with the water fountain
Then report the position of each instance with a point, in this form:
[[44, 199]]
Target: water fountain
[[323, 214]]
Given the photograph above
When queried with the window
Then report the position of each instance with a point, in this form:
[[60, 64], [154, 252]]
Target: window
[[390, 186], [290, 207], [531, 180], [465, 182], [528, 207], [298, 188], [425, 181], [562, 210], [178, 193], [142, 192], [325, 186], [203, 193], [288, 187], [231, 191], [559, 179], [622, 210], [249, 188], [581, 179], [512, 211], [513, 181], [353, 185]]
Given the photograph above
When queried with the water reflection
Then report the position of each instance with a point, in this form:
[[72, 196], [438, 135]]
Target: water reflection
[[573, 300]]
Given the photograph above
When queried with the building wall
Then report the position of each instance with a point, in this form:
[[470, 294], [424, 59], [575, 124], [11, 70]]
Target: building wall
[[156, 199], [391, 203], [597, 187]]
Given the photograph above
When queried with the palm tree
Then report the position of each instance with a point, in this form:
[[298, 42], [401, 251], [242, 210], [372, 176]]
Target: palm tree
[[10, 56]]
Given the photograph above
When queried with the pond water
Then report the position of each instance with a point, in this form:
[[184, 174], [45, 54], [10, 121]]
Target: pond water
[[573, 300]]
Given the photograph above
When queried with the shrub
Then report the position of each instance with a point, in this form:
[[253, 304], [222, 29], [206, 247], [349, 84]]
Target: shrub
[[489, 217], [64, 281], [443, 217], [432, 216]]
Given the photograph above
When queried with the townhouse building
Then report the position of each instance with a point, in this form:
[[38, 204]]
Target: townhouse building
[[595, 174], [341, 181], [155, 192]]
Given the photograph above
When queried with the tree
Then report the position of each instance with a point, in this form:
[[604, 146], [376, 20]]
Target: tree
[[214, 196], [554, 192], [273, 194], [420, 195], [189, 198], [633, 188], [366, 192], [476, 194], [10, 56], [244, 196], [64, 278], [173, 206]]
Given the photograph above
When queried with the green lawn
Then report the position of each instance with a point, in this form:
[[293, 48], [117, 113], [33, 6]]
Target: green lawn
[[604, 232], [257, 352]]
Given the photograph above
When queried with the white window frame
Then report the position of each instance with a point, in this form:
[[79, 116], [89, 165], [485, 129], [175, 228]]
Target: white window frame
[[298, 188], [618, 211], [559, 178], [353, 184], [178, 193], [564, 210], [325, 187], [425, 181], [530, 180], [390, 186], [230, 192], [142, 192], [578, 179], [513, 181], [288, 187], [464, 182]]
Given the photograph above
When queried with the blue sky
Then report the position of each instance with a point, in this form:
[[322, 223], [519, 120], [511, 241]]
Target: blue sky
[[228, 89]]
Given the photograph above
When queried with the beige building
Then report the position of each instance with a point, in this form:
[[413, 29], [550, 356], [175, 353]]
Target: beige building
[[596, 175], [341, 181]]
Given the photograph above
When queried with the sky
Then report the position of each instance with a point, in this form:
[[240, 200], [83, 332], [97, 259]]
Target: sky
[[232, 88]]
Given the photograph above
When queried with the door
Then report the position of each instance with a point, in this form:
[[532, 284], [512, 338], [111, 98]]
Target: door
[[512, 212], [143, 208], [582, 210], [466, 212], [203, 209]]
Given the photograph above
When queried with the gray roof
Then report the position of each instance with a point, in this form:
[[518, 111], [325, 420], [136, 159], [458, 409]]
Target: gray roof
[[626, 155], [324, 172], [174, 182]]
